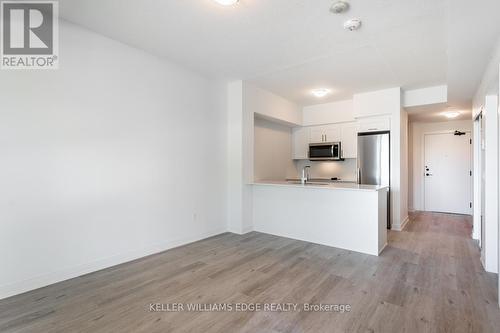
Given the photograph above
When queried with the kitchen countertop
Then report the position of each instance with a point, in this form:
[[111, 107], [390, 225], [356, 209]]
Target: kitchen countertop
[[324, 180], [336, 185]]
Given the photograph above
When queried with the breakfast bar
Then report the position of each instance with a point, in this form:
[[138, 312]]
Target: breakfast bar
[[342, 215]]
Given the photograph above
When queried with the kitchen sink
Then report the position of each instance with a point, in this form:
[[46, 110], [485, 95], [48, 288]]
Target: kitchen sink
[[308, 183]]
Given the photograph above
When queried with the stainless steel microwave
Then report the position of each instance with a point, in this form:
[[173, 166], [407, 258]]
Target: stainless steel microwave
[[326, 151]]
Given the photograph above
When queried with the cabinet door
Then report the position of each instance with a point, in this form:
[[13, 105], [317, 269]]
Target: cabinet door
[[332, 133], [349, 140], [374, 124], [300, 143], [317, 134]]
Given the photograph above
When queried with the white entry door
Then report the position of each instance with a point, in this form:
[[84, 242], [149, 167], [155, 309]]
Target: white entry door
[[447, 173]]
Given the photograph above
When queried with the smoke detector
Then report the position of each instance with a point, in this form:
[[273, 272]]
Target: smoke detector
[[339, 7], [352, 24]]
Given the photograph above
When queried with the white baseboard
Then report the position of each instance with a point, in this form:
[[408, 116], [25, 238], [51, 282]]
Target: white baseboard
[[382, 249], [400, 227], [79, 270], [241, 231], [247, 230]]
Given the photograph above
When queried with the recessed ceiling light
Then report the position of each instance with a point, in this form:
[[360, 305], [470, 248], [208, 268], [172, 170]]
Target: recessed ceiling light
[[226, 2], [339, 7], [321, 92], [451, 114], [352, 24]]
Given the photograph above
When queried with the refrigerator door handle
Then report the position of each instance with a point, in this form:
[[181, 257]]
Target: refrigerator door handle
[[359, 175]]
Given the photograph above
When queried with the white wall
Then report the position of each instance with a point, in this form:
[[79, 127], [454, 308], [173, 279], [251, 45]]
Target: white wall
[[425, 96], [328, 113], [240, 151], [272, 151], [270, 105], [487, 93], [403, 197], [116, 155], [489, 82], [416, 166], [244, 102], [490, 246], [379, 102]]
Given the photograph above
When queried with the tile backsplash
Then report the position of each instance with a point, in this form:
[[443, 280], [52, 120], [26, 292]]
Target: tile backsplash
[[344, 170]]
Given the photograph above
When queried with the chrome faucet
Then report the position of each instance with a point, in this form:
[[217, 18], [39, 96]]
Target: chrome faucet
[[305, 174]]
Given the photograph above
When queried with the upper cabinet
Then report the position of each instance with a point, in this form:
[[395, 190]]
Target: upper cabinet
[[349, 140], [300, 143], [375, 124], [326, 133], [346, 134]]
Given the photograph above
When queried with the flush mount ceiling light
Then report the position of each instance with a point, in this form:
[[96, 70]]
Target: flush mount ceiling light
[[451, 114], [352, 24], [339, 7], [226, 2], [321, 92]]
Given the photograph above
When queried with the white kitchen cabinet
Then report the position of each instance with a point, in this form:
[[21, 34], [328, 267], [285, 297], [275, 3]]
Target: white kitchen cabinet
[[300, 143], [326, 133], [316, 134], [374, 124], [349, 140], [332, 133]]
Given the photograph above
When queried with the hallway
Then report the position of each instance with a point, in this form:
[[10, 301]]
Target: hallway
[[429, 279], [441, 262]]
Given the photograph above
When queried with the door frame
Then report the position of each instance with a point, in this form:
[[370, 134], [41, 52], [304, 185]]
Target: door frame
[[422, 167], [477, 172]]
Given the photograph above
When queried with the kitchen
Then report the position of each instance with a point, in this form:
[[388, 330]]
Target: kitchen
[[305, 183]]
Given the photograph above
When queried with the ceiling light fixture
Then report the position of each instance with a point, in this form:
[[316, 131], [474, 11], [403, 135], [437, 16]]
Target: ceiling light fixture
[[226, 2], [451, 115], [352, 24], [321, 92], [339, 7]]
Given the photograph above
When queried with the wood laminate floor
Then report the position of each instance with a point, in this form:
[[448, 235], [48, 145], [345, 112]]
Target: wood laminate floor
[[429, 279]]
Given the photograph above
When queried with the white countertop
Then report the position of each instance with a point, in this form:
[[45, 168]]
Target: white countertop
[[330, 186]]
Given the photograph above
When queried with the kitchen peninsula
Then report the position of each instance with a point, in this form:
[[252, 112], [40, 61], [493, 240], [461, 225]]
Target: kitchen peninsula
[[282, 141], [343, 215]]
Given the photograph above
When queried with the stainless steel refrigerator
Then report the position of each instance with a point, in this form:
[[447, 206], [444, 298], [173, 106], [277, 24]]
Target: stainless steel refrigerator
[[374, 162]]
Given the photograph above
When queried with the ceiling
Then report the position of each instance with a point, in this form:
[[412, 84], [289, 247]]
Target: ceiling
[[292, 46], [436, 113]]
